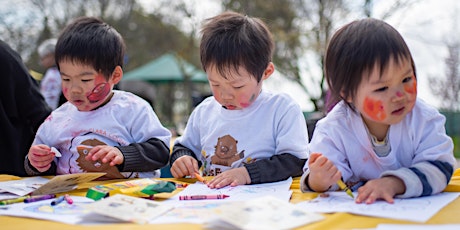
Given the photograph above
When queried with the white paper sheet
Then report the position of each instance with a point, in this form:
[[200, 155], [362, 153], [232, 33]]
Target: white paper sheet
[[63, 212], [418, 209], [418, 227], [129, 208], [199, 211], [266, 213], [238, 193]]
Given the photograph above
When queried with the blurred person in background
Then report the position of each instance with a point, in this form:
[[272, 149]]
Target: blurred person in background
[[50, 85], [22, 110]]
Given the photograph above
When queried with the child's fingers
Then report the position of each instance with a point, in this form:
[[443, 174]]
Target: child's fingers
[[116, 160], [177, 170], [184, 166], [314, 156], [97, 152], [40, 150]]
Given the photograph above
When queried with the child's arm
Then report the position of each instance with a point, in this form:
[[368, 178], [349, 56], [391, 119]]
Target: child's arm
[[276, 168], [183, 162], [145, 156]]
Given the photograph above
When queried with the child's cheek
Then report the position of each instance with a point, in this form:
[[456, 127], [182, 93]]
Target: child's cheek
[[374, 109], [65, 91], [411, 89], [247, 104], [100, 91]]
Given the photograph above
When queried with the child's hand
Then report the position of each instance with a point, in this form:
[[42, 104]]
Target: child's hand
[[232, 177], [323, 173], [40, 156], [184, 166], [106, 154], [384, 188]]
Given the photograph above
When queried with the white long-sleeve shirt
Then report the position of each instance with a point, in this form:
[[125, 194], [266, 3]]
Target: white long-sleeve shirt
[[125, 119], [421, 153]]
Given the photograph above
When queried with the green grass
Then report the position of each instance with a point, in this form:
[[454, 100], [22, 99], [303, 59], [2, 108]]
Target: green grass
[[456, 140]]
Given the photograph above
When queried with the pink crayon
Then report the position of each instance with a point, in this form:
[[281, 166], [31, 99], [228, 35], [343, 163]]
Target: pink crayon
[[68, 199], [203, 197]]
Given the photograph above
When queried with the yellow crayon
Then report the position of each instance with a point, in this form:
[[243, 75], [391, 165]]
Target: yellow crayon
[[15, 200], [345, 188]]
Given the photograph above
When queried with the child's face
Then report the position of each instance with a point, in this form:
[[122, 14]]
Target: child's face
[[239, 91], [84, 87], [388, 98]]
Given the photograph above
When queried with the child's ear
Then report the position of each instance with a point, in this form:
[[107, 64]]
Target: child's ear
[[268, 71], [117, 75], [348, 99]]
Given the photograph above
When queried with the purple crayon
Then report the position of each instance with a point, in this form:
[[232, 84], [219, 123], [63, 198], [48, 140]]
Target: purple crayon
[[39, 198]]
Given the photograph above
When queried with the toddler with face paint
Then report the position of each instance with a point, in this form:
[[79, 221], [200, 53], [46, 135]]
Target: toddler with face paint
[[99, 129], [380, 139], [242, 134]]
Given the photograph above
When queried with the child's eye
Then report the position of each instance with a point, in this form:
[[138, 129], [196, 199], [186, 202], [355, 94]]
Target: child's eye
[[86, 80], [382, 89], [238, 87], [407, 79], [65, 79]]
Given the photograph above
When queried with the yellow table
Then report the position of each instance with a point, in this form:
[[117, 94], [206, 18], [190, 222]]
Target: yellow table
[[448, 215]]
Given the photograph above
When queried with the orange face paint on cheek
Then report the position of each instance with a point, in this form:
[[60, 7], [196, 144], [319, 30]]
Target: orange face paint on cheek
[[374, 109], [411, 88]]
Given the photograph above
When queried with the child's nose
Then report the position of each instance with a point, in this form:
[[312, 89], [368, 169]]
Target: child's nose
[[398, 95], [226, 94], [75, 88]]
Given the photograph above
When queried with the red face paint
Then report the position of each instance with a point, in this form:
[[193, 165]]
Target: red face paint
[[247, 104], [411, 88], [374, 109], [99, 92]]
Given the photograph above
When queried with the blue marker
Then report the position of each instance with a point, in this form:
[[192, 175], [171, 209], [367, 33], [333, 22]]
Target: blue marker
[[57, 201]]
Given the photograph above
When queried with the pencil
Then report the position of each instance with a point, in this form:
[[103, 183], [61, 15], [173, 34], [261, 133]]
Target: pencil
[[345, 188], [200, 178]]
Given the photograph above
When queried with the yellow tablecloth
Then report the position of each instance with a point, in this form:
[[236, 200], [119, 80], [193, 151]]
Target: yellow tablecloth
[[448, 215]]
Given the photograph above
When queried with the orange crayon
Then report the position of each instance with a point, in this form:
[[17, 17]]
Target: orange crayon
[[200, 178]]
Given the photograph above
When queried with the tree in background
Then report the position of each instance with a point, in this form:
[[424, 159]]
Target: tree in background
[[447, 87], [301, 28], [147, 36]]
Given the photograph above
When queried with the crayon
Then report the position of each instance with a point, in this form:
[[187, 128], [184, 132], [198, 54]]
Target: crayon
[[39, 198], [200, 178], [203, 197], [68, 199], [57, 201], [15, 200], [345, 188]]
